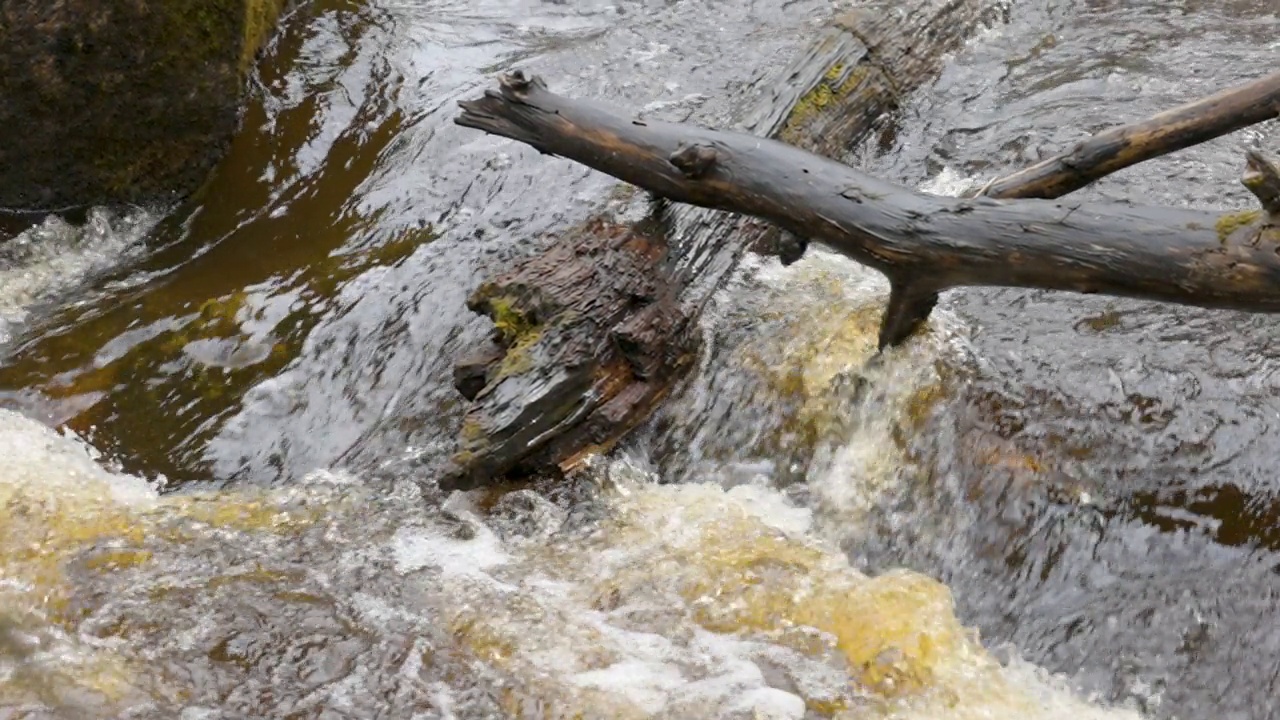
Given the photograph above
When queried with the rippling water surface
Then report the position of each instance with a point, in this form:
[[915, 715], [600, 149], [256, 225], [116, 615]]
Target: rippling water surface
[[217, 420]]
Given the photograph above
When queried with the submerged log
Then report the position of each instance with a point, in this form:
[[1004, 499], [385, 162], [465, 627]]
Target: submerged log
[[592, 333]]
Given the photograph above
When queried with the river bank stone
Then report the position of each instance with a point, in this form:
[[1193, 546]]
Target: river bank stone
[[120, 101]]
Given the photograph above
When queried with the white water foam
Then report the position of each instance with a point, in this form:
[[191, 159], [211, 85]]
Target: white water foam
[[39, 462], [949, 183], [50, 258]]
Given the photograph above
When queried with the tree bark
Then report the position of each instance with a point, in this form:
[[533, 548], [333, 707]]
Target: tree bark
[[592, 333], [923, 243], [120, 101]]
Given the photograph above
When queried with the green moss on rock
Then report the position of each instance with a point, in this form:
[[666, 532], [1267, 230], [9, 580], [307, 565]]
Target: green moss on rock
[[260, 21], [513, 325], [111, 101]]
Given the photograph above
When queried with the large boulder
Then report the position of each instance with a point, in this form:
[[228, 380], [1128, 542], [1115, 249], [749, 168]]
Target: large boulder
[[111, 101]]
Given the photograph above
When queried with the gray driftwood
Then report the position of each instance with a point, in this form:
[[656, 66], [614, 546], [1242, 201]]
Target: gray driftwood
[[592, 333]]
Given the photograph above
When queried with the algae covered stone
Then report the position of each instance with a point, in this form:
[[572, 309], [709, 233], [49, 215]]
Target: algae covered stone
[[120, 101]]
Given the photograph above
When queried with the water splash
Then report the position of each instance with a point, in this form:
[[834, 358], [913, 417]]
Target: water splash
[[55, 256], [632, 600]]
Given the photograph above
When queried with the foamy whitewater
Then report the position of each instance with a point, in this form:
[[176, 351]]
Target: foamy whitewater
[[55, 256], [671, 601], [680, 601]]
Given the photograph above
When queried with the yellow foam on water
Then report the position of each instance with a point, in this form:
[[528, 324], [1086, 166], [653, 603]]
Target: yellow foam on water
[[739, 575], [848, 416], [58, 507], [675, 560], [658, 610]]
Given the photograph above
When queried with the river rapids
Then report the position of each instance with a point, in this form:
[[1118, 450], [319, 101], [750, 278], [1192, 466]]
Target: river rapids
[[219, 422]]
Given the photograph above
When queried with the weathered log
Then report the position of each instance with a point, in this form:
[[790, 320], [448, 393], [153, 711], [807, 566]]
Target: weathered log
[[1120, 147], [923, 243], [120, 101], [592, 333]]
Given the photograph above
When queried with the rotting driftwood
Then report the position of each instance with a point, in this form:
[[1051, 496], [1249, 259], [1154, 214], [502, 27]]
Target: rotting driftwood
[[922, 243], [592, 333]]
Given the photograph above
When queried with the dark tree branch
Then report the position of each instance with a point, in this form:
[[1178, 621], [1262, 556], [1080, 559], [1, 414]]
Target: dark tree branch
[[1119, 147], [1156, 253], [592, 332]]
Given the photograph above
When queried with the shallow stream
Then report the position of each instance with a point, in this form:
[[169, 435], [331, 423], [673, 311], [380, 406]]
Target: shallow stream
[[217, 421]]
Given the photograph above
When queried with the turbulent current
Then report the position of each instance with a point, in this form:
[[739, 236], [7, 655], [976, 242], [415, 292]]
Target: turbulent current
[[220, 422]]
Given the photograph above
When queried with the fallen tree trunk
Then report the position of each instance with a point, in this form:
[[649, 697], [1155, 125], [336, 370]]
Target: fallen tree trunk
[[923, 243], [576, 392], [591, 334]]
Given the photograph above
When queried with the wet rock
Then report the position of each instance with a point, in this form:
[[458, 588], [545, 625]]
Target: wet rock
[[526, 514], [120, 101]]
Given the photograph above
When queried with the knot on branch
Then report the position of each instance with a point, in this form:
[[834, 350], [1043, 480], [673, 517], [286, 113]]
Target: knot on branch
[[693, 160], [1262, 178], [517, 82], [788, 247]]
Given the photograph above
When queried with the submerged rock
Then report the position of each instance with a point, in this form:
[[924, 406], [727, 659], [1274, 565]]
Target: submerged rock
[[120, 101]]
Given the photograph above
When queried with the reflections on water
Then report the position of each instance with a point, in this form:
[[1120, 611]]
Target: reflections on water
[[349, 159], [1090, 478], [233, 289]]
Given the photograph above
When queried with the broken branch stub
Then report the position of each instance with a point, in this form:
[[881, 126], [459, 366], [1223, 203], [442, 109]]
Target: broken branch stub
[[1262, 178]]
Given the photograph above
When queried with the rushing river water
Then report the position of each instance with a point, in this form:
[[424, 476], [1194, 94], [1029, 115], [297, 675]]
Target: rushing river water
[[1046, 506]]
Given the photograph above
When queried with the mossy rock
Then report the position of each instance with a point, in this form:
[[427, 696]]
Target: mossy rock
[[120, 101]]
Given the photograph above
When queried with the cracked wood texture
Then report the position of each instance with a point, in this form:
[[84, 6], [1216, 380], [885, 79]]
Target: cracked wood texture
[[919, 241], [923, 243], [591, 334]]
